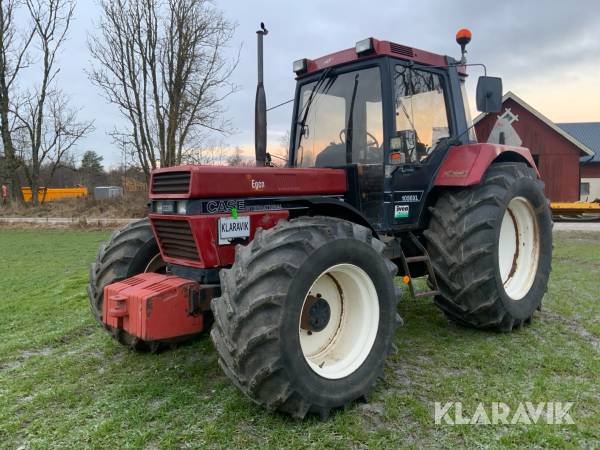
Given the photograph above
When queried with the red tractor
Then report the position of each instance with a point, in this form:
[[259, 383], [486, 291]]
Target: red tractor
[[295, 268]]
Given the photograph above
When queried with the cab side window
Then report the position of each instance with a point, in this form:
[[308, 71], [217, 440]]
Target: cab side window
[[421, 114]]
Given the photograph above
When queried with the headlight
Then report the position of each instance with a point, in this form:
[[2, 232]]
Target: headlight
[[165, 207], [364, 46], [182, 207]]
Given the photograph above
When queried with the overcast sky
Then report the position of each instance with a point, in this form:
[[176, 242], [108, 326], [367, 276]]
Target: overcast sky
[[547, 52]]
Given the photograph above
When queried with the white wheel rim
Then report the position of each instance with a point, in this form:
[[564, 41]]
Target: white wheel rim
[[518, 248], [340, 348]]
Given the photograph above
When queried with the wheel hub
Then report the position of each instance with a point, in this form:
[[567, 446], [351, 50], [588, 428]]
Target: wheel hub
[[315, 314]]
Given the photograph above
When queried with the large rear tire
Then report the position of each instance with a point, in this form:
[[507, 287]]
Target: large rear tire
[[130, 251], [491, 248], [307, 315]]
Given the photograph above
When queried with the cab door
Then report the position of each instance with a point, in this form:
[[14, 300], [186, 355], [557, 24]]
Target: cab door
[[368, 146], [419, 139]]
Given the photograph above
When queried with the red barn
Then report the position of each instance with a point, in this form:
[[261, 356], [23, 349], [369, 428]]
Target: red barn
[[588, 133], [556, 152]]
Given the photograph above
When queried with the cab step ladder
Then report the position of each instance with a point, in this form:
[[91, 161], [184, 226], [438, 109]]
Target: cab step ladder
[[422, 257]]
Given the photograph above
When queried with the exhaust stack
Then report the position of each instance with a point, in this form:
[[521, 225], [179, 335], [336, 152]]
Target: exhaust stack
[[260, 106]]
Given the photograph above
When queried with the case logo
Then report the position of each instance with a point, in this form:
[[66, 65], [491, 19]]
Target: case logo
[[224, 206]]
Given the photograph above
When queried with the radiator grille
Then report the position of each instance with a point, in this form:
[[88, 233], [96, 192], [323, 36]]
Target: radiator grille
[[171, 183], [175, 239], [402, 50]]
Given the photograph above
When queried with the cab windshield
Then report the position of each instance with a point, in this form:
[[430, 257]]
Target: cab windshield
[[340, 120]]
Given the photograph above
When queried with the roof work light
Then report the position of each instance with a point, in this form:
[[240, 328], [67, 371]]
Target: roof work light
[[365, 46], [300, 66]]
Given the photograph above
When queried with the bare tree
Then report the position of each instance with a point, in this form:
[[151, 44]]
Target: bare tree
[[48, 127], [280, 155], [212, 153], [48, 137], [161, 62], [13, 58], [239, 159]]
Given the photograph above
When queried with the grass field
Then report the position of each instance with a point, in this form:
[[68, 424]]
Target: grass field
[[65, 384]]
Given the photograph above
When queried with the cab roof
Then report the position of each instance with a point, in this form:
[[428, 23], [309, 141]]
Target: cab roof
[[380, 48]]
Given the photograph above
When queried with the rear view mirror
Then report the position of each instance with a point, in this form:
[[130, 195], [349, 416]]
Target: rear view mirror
[[489, 94]]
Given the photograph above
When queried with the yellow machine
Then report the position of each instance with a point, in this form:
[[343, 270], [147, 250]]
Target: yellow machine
[[51, 194], [576, 210]]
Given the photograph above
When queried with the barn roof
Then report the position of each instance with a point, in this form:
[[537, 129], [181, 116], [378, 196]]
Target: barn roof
[[587, 133], [585, 150]]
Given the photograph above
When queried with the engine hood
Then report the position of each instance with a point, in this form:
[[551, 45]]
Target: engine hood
[[224, 181]]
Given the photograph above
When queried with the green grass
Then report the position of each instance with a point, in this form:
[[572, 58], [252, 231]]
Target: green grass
[[65, 384]]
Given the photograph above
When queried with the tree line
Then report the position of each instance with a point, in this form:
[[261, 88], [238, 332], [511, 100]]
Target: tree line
[[90, 173], [160, 62]]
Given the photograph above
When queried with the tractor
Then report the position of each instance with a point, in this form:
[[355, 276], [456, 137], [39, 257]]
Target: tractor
[[297, 270]]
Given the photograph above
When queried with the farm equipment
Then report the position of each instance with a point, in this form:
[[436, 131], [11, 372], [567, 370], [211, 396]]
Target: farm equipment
[[295, 268], [576, 211], [51, 194]]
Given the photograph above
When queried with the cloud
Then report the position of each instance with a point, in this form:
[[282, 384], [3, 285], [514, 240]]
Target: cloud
[[540, 48], [528, 43]]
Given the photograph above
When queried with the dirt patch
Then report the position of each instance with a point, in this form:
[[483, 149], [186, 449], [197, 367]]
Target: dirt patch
[[45, 351], [575, 327], [9, 365], [75, 334], [24, 356]]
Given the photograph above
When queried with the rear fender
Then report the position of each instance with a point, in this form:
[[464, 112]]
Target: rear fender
[[465, 164]]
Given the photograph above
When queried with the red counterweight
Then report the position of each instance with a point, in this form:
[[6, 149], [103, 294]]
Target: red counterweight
[[153, 307]]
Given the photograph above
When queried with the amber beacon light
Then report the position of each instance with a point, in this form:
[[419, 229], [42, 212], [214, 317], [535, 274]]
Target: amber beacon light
[[463, 37]]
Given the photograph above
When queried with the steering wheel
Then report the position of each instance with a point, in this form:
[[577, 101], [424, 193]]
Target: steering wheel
[[373, 143]]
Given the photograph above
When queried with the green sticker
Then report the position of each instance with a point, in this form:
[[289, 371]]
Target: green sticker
[[401, 211], [234, 213]]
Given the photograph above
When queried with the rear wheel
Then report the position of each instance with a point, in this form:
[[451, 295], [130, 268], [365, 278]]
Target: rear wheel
[[307, 315], [491, 248], [130, 251]]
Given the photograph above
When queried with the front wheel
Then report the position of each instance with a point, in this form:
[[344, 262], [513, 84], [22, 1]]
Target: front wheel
[[307, 315], [491, 248]]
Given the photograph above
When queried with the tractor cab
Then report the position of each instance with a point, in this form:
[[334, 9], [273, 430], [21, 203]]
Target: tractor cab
[[385, 113]]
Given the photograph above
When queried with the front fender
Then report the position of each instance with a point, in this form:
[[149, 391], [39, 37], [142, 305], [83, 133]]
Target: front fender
[[342, 210]]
